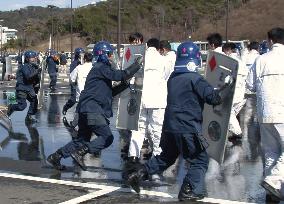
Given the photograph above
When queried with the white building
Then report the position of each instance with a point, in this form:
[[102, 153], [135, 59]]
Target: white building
[[7, 34]]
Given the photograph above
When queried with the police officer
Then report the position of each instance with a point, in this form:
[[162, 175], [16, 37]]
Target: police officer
[[187, 93], [52, 60], [28, 79], [78, 55], [95, 107]]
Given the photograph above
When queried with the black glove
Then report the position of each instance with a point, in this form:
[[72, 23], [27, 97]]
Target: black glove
[[132, 69], [139, 60], [39, 70]]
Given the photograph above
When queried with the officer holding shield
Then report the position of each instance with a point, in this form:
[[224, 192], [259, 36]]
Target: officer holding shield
[[187, 93], [95, 107]]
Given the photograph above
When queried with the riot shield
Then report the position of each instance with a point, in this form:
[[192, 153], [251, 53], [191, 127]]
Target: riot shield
[[216, 119], [130, 99]]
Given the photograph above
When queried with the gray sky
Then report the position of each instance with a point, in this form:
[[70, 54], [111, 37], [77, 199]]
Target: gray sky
[[6, 5]]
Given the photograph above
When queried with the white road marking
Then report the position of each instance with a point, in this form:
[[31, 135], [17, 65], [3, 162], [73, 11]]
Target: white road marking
[[105, 189], [54, 181], [89, 196]]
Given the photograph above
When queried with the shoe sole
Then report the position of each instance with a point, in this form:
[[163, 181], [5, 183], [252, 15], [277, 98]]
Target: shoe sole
[[271, 190]]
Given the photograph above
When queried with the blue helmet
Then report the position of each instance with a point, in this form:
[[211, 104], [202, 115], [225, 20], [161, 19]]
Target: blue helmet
[[188, 57], [78, 51], [51, 52], [101, 51], [30, 54], [263, 47]]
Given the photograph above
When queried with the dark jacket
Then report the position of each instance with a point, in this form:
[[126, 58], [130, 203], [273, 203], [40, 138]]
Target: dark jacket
[[51, 65], [97, 94], [63, 59], [74, 64], [27, 77], [187, 93]]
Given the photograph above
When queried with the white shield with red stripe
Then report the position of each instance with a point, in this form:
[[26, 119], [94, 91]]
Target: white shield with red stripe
[[130, 99], [216, 119]]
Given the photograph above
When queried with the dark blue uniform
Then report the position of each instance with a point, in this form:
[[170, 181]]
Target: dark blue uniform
[[52, 71], [187, 93], [72, 100], [94, 108], [63, 59], [27, 77]]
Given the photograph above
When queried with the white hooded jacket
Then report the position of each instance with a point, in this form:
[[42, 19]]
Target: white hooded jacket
[[266, 78], [154, 94]]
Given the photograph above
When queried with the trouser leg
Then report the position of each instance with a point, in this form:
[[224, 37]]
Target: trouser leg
[[155, 128], [53, 80], [272, 141], [195, 153], [33, 105], [137, 137], [159, 163]]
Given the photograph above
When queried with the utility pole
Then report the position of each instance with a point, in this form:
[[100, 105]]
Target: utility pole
[[1, 37], [118, 27], [71, 27], [227, 19], [52, 27]]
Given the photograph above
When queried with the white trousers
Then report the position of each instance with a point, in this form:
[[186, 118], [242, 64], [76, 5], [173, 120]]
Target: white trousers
[[150, 124], [272, 144], [234, 125]]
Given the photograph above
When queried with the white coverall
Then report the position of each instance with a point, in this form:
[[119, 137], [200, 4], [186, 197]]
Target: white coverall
[[79, 75], [170, 60], [239, 98], [153, 104], [250, 57], [266, 78]]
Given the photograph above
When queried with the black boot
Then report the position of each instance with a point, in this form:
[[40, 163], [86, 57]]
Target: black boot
[[54, 160], [134, 178], [236, 139], [30, 119], [78, 155], [9, 110], [186, 193]]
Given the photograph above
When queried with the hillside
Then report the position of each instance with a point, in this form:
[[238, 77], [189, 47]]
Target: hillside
[[250, 21], [164, 19]]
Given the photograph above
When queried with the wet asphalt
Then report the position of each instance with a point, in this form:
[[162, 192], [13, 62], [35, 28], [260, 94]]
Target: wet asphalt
[[24, 152]]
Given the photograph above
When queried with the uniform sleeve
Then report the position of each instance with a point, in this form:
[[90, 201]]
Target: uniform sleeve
[[28, 73], [206, 92], [251, 78], [112, 74], [74, 75]]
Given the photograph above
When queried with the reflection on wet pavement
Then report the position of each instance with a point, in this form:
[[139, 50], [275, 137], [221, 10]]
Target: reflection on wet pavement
[[24, 150]]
